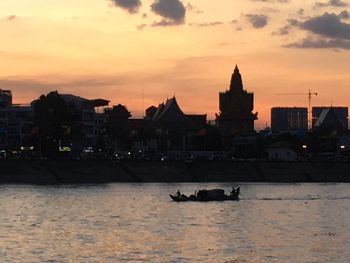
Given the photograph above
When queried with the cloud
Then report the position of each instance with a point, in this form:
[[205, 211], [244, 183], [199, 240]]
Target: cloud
[[272, 1], [301, 12], [132, 6], [164, 23], [321, 43], [327, 25], [286, 29], [208, 24], [11, 17], [172, 11], [142, 26], [282, 31], [325, 31], [223, 44], [336, 3], [267, 10], [194, 9], [344, 15], [257, 21]]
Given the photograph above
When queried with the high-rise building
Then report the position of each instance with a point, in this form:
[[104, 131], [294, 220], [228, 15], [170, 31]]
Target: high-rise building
[[5, 105], [236, 106], [342, 114], [288, 119], [16, 123]]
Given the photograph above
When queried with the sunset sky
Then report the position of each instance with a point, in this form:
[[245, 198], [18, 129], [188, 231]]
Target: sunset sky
[[116, 49]]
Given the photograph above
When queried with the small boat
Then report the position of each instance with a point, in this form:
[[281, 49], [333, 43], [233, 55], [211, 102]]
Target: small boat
[[207, 196]]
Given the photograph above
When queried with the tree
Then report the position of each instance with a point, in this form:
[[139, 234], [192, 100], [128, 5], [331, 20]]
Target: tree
[[117, 125], [53, 120]]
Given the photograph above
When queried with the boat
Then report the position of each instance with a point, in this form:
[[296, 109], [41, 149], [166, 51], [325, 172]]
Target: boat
[[207, 196]]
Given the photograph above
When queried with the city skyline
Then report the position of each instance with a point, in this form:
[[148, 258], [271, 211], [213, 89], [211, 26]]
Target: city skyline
[[120, 50]]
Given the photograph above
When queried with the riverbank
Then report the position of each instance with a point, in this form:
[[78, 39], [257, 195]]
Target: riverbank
[[43, 172]]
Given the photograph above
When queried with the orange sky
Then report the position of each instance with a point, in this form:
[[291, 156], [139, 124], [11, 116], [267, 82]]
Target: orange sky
[[95, 48]]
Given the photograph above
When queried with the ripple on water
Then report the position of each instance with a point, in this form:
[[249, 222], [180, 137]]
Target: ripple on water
[[139, 223]]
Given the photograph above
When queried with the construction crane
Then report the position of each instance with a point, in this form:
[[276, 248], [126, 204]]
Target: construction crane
[[310, 94]]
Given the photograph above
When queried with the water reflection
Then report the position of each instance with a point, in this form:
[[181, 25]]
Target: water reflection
[[138, 222]]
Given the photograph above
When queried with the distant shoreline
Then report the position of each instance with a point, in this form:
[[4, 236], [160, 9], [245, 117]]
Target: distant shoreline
[[53, 172]]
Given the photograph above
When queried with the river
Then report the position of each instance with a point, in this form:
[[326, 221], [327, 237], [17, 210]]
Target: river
[[139, 223]]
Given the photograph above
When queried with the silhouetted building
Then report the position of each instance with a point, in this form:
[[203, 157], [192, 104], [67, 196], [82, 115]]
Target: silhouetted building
[[289, 119], [245, 146], [84, 114], [176, 128], [20, 125], [16, 123], [282, 151], [170, 114], [5, 98], [342, 114], [236, 106], [329, 121], [5, 105], [344, 145]]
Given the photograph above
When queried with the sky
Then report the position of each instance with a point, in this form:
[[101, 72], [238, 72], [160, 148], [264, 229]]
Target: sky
[[141, 52]]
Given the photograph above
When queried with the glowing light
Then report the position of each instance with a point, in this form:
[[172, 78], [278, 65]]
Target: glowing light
[[65, 149]]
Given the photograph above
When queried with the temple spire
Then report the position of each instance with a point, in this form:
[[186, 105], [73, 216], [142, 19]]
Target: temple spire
[[236, 109], [236, 80]]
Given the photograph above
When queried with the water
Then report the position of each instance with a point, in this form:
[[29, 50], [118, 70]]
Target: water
[[139, 223]]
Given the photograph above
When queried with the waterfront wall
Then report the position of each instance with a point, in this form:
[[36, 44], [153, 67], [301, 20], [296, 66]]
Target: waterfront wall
[[95, 172]]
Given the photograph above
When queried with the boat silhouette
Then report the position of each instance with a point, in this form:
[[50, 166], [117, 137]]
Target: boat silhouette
[[207, 196]]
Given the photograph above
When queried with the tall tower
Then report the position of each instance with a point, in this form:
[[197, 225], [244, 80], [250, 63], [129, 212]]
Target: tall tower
[[236, 108], [236, 80]]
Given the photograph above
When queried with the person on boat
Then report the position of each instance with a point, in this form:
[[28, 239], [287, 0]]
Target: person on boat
[[178, 193], [233, 192], [238, 191]]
